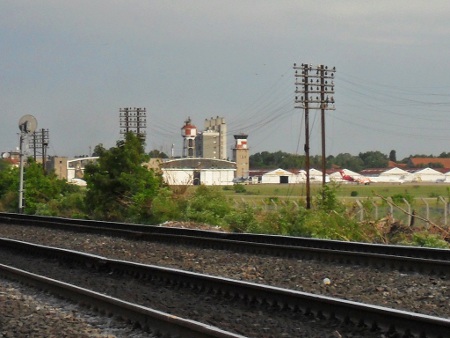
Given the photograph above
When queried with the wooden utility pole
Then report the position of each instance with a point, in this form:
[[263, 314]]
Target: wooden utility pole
[[316, 87]]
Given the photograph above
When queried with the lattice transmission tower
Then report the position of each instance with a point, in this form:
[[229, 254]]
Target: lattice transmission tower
[[133, 120]]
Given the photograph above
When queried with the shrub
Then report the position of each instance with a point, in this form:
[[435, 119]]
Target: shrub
[[242, 220], [208, 205], [239, 188], [429, 240]]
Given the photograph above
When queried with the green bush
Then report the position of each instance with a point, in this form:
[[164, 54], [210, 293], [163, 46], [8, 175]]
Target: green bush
[[354, 193], [239, 188], [208, 205], [242, 219], [429, 240], [398, 198], [166, 207]]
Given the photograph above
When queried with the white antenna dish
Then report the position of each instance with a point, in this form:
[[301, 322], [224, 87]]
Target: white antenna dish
[[27, 124], [6, 155]]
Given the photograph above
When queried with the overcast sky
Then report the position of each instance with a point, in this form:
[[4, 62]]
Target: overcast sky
[[74, 64]]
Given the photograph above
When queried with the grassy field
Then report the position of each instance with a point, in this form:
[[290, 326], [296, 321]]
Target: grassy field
[[298, 191], [426, 201]]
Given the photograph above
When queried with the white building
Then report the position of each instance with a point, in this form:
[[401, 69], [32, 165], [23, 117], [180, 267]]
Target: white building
[[196, 171], [75, 169], [428, 175], [394, 175], [279, 176]]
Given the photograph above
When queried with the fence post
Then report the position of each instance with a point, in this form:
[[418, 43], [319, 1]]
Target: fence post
[[376, 209], [361, 210], [391, 207], [428, 211], [445, 209], [274, 204], [409, 210]]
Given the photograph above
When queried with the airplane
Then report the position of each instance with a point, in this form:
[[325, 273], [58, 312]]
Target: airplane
[[359, 180]]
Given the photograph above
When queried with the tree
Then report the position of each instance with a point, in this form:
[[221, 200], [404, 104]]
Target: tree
[[348, 161], [9, 186], [155, 153], [374, 159], [444, 155], [393, 156], [4, 164], [119, 187], [40, 190]]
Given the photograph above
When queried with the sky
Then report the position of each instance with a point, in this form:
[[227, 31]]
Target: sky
[[74, 64]]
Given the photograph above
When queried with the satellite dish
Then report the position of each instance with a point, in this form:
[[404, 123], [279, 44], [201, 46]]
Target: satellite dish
[[27, 124], [6, 155]]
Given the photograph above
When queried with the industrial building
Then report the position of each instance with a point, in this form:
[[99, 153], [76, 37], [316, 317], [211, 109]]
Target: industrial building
[[197, 171]]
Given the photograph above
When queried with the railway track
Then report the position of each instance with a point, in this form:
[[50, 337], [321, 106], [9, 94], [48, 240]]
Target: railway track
[[403, 258], [209, 294]]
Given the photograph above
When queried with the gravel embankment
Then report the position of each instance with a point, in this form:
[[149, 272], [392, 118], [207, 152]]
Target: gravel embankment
[[25, 312], [411, 292]]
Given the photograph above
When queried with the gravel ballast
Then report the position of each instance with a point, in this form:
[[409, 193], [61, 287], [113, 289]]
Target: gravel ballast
[[411, 292]]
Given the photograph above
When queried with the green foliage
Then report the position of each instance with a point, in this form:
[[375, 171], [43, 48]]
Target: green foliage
[[155, 153], [4, 165], [327, 200], [9, 188], [239, 188], [348, 161], [287, 220], [119, 187], [279, 159], [400, 197], [42, 193], [208, 205], [393, 156], [166, 207], [374, 159], [429, 240], [272, 199], [242, 219], [353, 193]]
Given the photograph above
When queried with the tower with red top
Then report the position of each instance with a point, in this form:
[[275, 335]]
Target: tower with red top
[[189, 132], [241, 155]]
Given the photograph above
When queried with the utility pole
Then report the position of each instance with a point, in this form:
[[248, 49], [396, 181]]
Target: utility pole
[[316, 90], [133, 120], [27, 126]]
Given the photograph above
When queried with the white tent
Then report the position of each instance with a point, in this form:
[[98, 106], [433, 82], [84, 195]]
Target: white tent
[[278, 176], [395, 175], [428, 175]]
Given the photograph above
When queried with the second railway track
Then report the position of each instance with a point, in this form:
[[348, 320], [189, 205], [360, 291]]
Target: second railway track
[[424, 292], [405, 258], [249, 309]]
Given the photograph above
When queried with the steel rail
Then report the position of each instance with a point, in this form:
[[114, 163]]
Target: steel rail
[[153, 321], [423, 260], [85, 225], [387, 319]]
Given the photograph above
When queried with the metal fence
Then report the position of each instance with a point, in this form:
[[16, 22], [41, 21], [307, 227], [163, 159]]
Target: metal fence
[[419, 212]]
